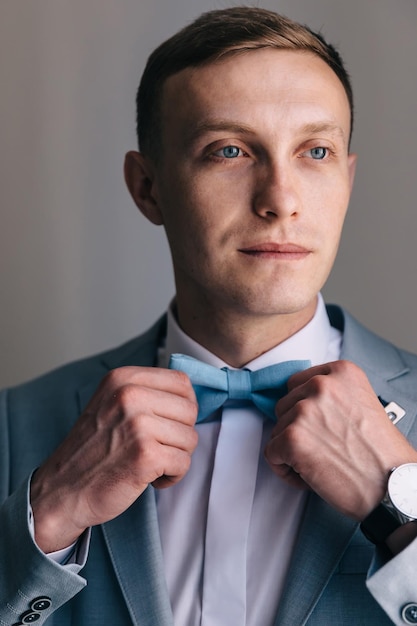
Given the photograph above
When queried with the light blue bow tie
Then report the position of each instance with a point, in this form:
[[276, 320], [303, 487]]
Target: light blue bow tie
[[214, 386]]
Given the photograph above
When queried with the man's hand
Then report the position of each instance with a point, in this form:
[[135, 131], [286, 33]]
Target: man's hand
[[137, 429], [334, 437]]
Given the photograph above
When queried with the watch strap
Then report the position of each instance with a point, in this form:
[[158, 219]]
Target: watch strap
[[379, 524]]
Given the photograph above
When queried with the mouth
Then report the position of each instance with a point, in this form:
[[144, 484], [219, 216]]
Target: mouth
[[284, 251]]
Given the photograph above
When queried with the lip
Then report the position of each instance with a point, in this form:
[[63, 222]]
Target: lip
[[276, 250]]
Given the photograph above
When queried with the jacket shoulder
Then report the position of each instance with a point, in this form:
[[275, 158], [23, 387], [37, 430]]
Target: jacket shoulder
[[379, 358], [355, 331], [35, 416], [137, 351]]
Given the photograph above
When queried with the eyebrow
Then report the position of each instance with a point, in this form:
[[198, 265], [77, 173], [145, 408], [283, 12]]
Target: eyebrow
[[218, 125], [323, 127], [242, 129]]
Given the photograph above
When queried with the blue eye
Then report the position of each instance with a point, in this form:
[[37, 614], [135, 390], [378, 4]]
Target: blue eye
[[318, 153], [230, 152]]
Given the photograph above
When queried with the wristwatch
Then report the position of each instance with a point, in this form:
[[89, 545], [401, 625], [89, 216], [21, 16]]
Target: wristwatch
[[398, 507]]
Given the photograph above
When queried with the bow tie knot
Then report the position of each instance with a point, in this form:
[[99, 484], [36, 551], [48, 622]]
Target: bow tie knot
[[214, 386], [239, 384]]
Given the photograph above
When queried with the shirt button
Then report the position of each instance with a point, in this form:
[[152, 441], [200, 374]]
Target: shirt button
[[409, 613], [41, 604]]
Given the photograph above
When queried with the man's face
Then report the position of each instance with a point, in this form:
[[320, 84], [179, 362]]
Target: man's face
[[254, 180]]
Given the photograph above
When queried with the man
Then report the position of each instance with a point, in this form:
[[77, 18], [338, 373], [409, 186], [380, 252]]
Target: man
[[244, 123]]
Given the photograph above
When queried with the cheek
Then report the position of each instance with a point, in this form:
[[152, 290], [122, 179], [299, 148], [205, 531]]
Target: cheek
[[189, 225], [201, 210], [334, 203], [212, 208]]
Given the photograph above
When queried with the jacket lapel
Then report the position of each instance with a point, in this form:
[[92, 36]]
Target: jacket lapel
[[323, 538], [135, 550]]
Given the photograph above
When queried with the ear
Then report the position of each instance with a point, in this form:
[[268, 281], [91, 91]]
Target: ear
[[352, 160], [139, 174]]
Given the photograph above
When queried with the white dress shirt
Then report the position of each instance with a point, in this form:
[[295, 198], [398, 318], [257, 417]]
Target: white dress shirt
[[228, 528]]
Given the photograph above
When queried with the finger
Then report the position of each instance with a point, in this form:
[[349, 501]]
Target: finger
[[145, 451], [176, 465], [165, 432], [292, 405], [132, 399], [287, 474], [279, 462], [305, 375], [165, 481], [157, 378], [314, 383]]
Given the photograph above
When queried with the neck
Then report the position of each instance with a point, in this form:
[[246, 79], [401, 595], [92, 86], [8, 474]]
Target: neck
[[238, 338]]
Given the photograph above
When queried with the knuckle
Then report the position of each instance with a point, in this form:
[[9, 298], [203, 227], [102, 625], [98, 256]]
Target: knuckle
[[135, 439], [135, 398], [126, 396], [302, 409], [344, 364], [144, 450], [347, 368], [139, 427], [319, 384], [114, 378], [294, 439], [291, 435]]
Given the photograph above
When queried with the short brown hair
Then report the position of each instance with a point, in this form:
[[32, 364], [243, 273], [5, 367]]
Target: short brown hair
[[212, 36]]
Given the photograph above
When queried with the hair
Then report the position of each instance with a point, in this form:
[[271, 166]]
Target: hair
[[213, 36]]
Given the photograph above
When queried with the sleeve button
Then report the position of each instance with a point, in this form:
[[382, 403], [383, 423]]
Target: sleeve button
[[409, 613], [41, 604], [29, 617]]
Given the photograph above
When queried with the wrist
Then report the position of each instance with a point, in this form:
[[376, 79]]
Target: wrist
[[52, 528], [397, 509]]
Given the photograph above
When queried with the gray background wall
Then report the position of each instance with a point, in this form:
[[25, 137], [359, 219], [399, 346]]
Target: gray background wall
[[80, 269]]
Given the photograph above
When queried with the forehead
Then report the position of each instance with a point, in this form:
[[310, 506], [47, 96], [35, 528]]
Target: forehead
[[256, 86]]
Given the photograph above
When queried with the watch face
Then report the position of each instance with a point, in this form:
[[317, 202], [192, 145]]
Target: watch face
[[402, 489]]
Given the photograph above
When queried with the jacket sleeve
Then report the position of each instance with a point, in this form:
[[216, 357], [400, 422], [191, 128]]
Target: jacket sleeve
[[30, 582]]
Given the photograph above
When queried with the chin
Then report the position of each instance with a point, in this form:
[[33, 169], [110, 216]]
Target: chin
[[282, 299], [260, 307]]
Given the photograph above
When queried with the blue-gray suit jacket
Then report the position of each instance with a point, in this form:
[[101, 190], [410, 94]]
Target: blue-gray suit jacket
[[336, 577]]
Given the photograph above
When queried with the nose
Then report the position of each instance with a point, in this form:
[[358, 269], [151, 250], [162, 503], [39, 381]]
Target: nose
[[276, 193]]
